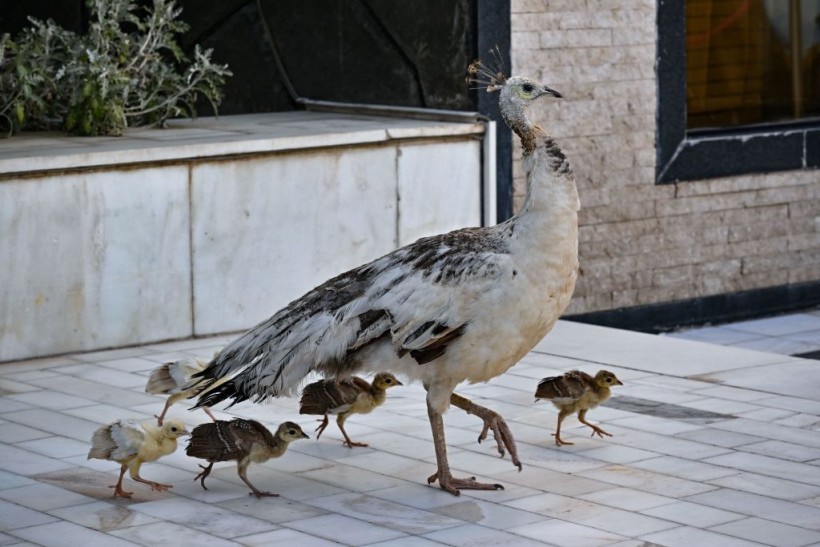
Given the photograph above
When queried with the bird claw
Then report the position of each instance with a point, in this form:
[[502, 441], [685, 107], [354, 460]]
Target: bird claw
[[559, 441], [600, 432], [260, 495], [120, 492], [501, 432], [454, 485], [351, 444], [159, 487]]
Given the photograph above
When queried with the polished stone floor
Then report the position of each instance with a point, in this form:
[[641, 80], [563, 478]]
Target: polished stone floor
[[712, 445]]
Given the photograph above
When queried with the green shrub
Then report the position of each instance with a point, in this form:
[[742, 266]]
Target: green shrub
[[126, 71]]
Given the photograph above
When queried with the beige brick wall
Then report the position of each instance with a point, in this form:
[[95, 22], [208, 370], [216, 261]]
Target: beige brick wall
[[643, 243]]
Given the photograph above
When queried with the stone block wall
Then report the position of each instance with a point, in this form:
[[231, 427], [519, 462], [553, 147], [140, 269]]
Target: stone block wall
[[643, 243]]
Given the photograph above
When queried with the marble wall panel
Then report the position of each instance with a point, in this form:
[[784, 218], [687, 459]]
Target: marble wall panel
[[439, 188], [283, 224], [93, 260]]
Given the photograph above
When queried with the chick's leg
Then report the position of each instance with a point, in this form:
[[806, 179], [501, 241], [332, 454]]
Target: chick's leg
[[443, 476], [205, 472], [595, 429], [340, 421], [492, 420], [118, 491], [321, 427], [134, 469], [161, 417], [242, 468], [209, 413], [561, 415]]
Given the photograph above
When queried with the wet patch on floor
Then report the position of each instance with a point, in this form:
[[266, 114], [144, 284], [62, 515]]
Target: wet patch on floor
[[666, 410]]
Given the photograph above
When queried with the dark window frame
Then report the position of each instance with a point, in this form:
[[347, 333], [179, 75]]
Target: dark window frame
[[703, 154]]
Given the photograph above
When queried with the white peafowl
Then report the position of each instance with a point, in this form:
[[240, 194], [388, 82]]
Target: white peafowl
[[461, 306]]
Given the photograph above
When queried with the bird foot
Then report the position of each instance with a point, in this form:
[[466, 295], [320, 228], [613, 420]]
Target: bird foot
[[159, 420], [559, 441], [260, 495], [206, 470], [158, 486], [454, 485], [492, 421], [118, 491], [598, 431], [351, 444]]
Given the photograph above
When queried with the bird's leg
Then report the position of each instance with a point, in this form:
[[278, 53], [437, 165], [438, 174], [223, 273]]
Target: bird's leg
[[492, 420], [595, 429], [118, 491], [561, 415], [340, 421], [209, 413], [320, 429], [158, 486], [242, 467], [161, 417], [443, 476], [205, 472]]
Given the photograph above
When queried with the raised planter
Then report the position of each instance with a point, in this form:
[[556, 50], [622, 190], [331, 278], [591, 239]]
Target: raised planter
[[210, 226]]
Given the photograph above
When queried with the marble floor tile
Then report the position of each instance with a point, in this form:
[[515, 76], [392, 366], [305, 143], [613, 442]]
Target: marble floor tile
[[685, 469], [693, 514], [627, 499], [491, 515], [786, 512], [723, 335], [13, 516], [16, 433], [351, 478], [686, 536], [25, 462], [102, 516], [12, 480], [204, 517], [768, 532], [646, 481], [168, 533], [765, 465], [50, 399], [472, 534], [286, 536], [43, 497], [777, 326], [385, 513], [67, 534], [768, 486], [618, 454], [344, 529], [783, 450]]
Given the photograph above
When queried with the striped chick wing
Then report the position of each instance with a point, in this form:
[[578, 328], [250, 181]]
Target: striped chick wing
[[173, 377], [222, 440], [117, 441], [419, 298], [331, 396], [565, 389]]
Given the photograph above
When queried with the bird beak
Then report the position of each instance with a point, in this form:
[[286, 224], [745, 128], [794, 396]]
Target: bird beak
[[185, 433], [398, 383], [305, 435], [618, 383], [552, 92]]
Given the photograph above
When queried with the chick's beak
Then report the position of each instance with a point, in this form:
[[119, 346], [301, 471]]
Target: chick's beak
[[618, 383], [552, 92], [398, 383], [305, 435], [185, 433]]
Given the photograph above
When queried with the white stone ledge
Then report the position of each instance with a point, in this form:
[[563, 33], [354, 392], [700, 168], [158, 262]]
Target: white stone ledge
[[215, 137]]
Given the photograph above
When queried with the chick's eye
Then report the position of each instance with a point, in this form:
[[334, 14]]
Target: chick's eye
[[388, 381], [291, 432], [528, 88], [609, 380], [174, 429]]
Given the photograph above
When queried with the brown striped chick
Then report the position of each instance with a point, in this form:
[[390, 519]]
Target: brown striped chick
[[132, 443], [577, 391], [242, 440], [172, 379], [345, 397]]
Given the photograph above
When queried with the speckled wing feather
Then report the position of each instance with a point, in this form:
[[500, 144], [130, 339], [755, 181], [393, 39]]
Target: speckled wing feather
[[226, 441], [413, 298], [331, 396], [566, 388], [117, 441]]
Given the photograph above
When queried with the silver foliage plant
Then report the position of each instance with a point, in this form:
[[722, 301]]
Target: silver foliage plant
[[127, 71]]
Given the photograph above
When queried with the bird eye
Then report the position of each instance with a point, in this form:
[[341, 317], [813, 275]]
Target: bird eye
[[388, 381], [527, 87], [174, 429], [292, 431], [609, 380]]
